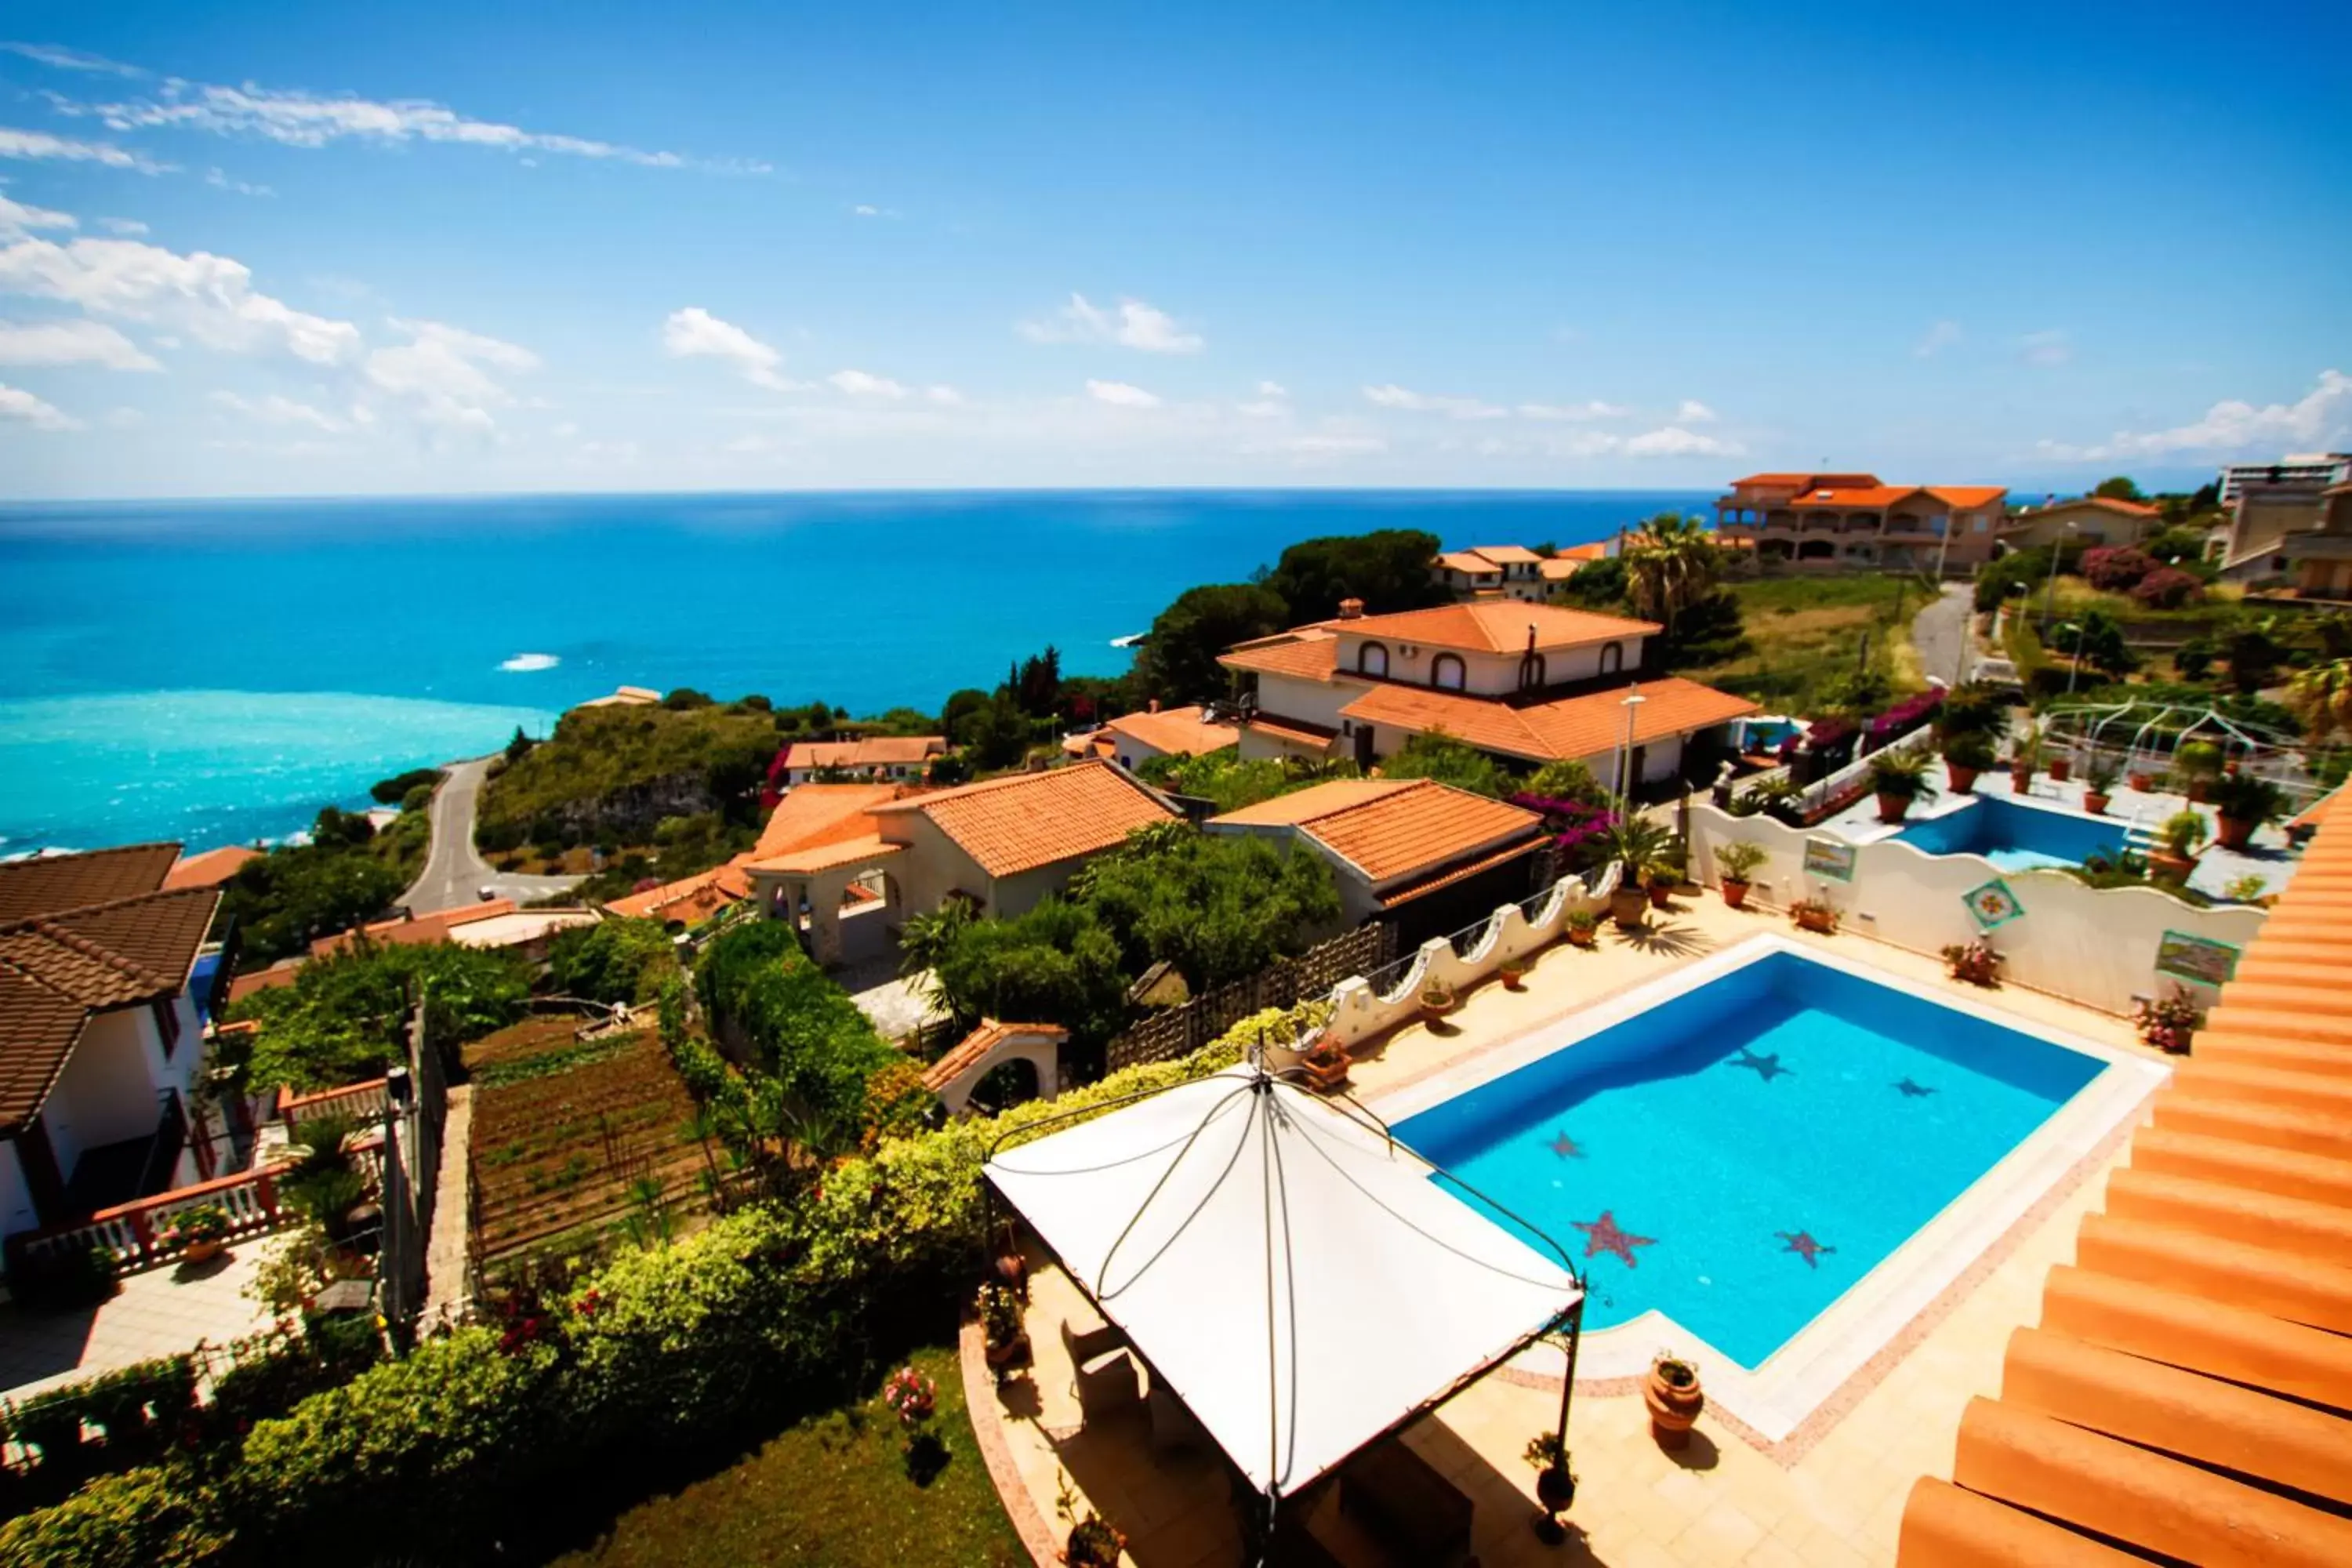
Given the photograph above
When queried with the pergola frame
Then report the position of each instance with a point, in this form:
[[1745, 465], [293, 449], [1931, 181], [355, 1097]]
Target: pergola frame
[[1569, 1324], [2090, 724]]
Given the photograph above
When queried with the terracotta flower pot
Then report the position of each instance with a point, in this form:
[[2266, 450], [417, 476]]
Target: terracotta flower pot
[[2097, 804], [2062, 769], [1578, 936], [1893, 808], [1815, 920], [1514, 977], [1673, 1410], [202, 1251], [1735, 894], [1661, 896], [1005, 1354], [1555, 1488], [2020, 780], [2142, 782], [1963, 780], [2230, 832], [1625, 907], [2164, 865]]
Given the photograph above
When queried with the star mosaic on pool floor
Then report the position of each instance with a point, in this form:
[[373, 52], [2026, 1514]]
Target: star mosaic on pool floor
[[1910, 1090], [1567, 1148], [1603, 1235], [1767, 1067], [1802, 1244]]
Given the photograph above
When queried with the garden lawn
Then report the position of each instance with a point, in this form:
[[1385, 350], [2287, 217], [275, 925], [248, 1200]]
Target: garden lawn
[[1803, 632], [831, 1490]]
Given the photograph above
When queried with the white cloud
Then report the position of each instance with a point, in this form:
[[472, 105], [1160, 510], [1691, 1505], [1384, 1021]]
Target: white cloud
[[296, 117], [123, 418], [221, 182], [443, 374], [1573, 413], [1330, 446], [1264, 408], [15, 403], [210, 297], [72, 342], [60, 57], [1120, 394], [861, 210], [129, 228], [275, 409], [1674, 441], [16, 219], [2321, 417], [695, 332], [1939, 337], [1394, 396], [2045, 349], [947, 395], [862, 384], [1134, 325], [1693, 412], [1271, 389], [40, 144]]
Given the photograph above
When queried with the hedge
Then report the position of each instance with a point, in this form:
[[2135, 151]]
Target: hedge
[[662, 1346]]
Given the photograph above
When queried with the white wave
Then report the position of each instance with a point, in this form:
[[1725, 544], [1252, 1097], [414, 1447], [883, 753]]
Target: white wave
[[525, 662], [1129, 641]]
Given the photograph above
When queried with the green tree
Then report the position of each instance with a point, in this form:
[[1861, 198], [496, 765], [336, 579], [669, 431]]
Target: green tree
[[1037, 685], [1178, 661], [295, 894], [2320, 699], [1671, 563], [1437, 755], [2120, 487], [1220, 907], [1568, 779], [1388, 569], [2095, 638], [612, 961], [395, 789], [998, 735], [345, 1017], [958, 710], [1597, 585], [807, 1034], [1056, 965]]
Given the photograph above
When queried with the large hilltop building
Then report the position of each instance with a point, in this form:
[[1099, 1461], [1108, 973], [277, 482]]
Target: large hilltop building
[[1530, 683], [1856, 520]]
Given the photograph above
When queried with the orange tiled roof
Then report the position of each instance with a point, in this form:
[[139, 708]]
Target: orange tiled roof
[[1506, 555], [43, 884], [2186, 1393], [1316, 800], [1470, 562], [968, 1050], [1966, 496], [1445, 876], [425, 930], [210, 868], [1311, 653], [1585, 726], [1416, 825], [2100, 503], [816, 814], [1806, 481], [875, 752], [1298, 731], [829, 855], [1178, 731], [690, 900], [1854, 495], [1499, 627], [1027, 820]]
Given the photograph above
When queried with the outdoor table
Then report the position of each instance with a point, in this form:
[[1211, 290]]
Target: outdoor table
[[1415, 1508]]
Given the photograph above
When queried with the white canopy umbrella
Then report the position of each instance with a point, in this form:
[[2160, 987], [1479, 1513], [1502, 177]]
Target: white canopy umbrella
[[1291, 1273]]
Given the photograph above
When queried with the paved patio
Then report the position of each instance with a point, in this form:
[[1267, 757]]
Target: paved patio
[[157, 1312], [2265, 855], [1830, 1494]]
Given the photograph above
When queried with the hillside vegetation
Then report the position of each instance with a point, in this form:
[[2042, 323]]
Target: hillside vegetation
[[613, 774]]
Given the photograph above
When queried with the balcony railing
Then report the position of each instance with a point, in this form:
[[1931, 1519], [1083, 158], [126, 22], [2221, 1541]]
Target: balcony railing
[[354, 1100], [132, 1232]]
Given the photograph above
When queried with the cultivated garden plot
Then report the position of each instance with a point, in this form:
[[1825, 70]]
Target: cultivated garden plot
[[572, 1137]]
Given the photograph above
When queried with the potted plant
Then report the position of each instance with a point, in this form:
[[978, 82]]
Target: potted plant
[[2196, 764], [2246, 889], [1965, 756], [1897, 779], [2168, 1022], [1093, 1543], [1661, 882], [1733, 864], [2098, 781], [2142, 777], [199, 1235], [1673, 1398], [1583, 928], [1000, 1323], [1436, 997], [1514, 972], [2025, 758], [1555, 1482], [1815, 915], [1638, 845], [2243, 803], [1974, 962], [2061, 766], [2174, 855]]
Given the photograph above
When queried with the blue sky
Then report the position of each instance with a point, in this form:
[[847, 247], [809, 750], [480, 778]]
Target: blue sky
[[249, 249]]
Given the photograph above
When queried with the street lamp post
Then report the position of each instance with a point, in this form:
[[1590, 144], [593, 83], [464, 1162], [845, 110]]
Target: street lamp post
[[2050, 587], [1625, 780]]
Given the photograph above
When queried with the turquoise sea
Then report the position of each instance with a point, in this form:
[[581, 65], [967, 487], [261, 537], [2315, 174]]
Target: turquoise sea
[[215, 671]]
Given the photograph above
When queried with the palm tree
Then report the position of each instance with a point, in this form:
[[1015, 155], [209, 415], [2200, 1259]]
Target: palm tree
[[1671, 563], [2320, 699]]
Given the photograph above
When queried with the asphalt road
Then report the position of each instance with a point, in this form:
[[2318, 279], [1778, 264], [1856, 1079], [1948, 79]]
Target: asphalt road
[[1941, 630], [455, 873]]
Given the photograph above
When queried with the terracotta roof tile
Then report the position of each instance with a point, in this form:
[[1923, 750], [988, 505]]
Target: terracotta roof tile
[[1419, 828], [38, 1030], [1506, 555], [1469, 562], [1027, 820], [690, 900], [1316, 800], [1498, 626], [210, 868], [43, 884], [1805, 481], [827, 856], [1177, 731], [820, 813], [967, 1051], [1296, 731], [1585, 726], [1311, 653], [1874, 496], [875, 752], [1421, 886], [1966, 496]]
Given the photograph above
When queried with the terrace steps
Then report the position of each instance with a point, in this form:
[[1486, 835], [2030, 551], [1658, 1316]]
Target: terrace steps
[[2234, 1273], [2271, 1086], [2280, 1127], [2124, 1493], [2288, 1025], [2268, 968], [1945, 1526], [2246, 1049], [2201, 1419], [2234, 1213], [2238, 1344], [2225, 1160], [2330, 998]]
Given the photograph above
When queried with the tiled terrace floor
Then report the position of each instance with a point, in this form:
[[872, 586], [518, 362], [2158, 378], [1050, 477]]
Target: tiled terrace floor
[[1831, 1497], [158, 1312]]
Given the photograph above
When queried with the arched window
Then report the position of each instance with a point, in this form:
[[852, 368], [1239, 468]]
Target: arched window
[[1613, 657], [1531, 672], [1447, 672], [1372, 658]]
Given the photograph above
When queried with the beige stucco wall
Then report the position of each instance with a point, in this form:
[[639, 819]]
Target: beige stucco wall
[[936, 864], [1316, 701], [1490, 674]]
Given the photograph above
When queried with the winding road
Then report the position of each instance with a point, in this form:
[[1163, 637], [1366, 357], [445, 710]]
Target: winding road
[[1940, 632], [455, 873]]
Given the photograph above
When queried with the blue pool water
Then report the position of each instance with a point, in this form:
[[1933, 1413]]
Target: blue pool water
[[2016, 838], [1758, 1142]]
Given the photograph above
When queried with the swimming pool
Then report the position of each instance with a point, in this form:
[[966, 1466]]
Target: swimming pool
[[2016, 838], [1739, 1154]]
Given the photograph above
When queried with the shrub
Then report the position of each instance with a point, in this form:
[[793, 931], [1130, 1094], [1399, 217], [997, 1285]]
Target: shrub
[[2116, 569], [759, 987], [2168, 588], [396, 789], [612, 961], [345, 1017]]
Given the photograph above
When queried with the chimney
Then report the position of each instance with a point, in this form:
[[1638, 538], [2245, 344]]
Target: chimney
[[1351, 609], [1152, 706]]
